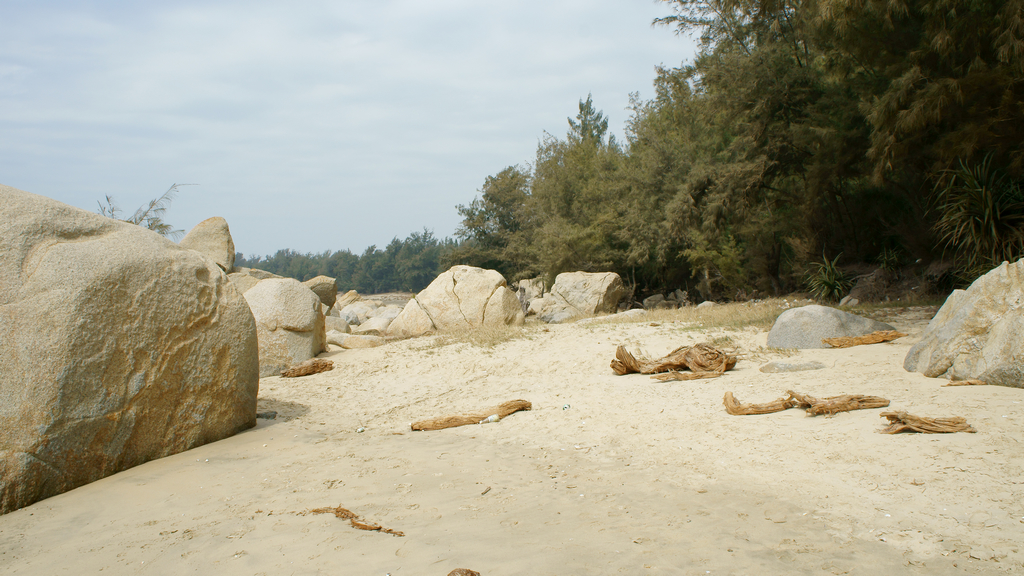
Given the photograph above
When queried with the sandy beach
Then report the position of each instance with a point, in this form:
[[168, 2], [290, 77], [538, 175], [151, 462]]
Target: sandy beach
[[606, 475]]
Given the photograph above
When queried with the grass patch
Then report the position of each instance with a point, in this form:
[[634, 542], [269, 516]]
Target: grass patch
[[761, 314]]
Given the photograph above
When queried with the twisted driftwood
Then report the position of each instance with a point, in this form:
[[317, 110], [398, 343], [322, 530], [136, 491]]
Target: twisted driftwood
[[812, 405], [353, 518], [703, 360], [311, 366], [502, 410], [873, 338], [903, 422]]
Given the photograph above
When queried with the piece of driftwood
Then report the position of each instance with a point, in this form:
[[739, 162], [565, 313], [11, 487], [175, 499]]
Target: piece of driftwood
[[502, 410], [703, 361], [903, 422], [873, 338], [353, 518], [835, 404], [966, 383], [814, 406], [733, 406], [311, 366]]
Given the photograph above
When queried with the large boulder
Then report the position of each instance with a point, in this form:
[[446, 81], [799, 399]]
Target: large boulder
[[978, 333], [117, 347], [325, 287], [212, 238], [589, 293], [462, 298], [242, 281], [576, 294], [805, 327], [289, 323]]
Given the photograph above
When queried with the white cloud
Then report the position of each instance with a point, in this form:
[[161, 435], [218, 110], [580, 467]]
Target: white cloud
[[314, 126]]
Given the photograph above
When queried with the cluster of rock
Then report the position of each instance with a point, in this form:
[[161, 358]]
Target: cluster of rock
[[978, 333], [670, 301], [117, 346]]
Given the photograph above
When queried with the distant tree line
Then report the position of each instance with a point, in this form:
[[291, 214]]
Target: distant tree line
[[403, 265]]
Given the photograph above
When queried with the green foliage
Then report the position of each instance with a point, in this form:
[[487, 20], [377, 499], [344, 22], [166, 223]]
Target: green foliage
[[149, 216], [981, 217], [403, 265], [825, 281]]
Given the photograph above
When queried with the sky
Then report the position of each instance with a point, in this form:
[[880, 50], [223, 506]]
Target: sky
[[314, 126]]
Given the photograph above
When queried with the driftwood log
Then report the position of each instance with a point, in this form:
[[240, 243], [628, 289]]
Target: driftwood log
[[703, 361], [813, 406], [311, 366], [354, 520], [501, 410], [903, 422], [873, 338]]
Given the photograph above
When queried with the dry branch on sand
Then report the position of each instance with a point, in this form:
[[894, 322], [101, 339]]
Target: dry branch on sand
[[814, 406], [311, 366], [502, 410], [353, 518], [966, 383], [873, 338], [903, 422], [703, 360]]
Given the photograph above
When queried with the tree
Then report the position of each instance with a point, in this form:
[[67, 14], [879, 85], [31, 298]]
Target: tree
[[149, 216]]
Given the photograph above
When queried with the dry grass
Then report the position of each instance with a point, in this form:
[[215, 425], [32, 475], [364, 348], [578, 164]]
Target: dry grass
[[760, 314]]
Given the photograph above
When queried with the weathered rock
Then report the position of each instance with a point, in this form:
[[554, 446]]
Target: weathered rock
[[589, 293], [978, 333], [412, 321], [389, 312], [779, 366], [706, 304], [651, 301], [242, 281], [290, 325], [805, 327], [373, 327], [464, 297], [117, 347], [335, 337], [357, 312], [257, 273], [212, 238], [336, 323], [346, 299], [325, 287], [353, 341], [533, 288]]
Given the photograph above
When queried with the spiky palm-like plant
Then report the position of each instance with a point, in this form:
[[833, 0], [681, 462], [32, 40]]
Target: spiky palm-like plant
[[825, 281], [981, 217]]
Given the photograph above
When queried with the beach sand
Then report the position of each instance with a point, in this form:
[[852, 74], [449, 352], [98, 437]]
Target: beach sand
[[606, 475]]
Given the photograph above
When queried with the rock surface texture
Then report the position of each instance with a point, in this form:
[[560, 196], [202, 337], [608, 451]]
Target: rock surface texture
[[806, 326], [978, 333], [576, 294], [464, 297], [212, 238], [289, 323], [117, 346], [325, 287]]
